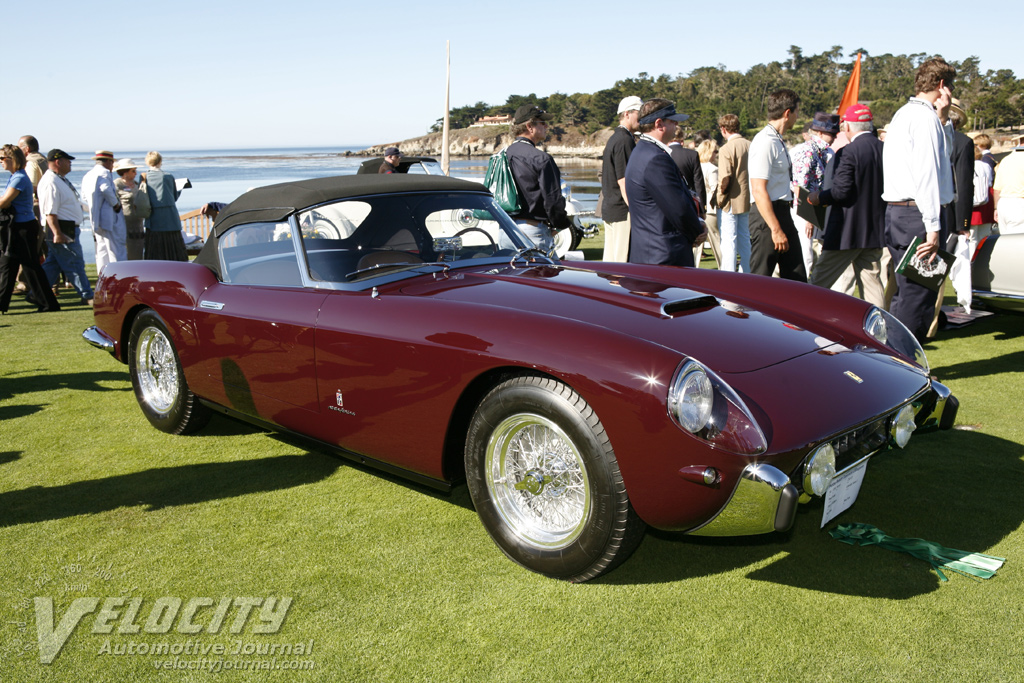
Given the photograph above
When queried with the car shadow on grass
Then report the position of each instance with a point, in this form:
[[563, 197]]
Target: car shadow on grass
[[1004, 325], [1011, 362], [164, 487], [959, 489], [9, 456], [12, 385], [222, 425]]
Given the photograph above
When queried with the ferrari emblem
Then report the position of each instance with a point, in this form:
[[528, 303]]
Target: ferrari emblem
[[848, 373]]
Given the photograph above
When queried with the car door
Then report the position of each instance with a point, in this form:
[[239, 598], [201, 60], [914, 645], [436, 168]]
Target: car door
[[257, 327]]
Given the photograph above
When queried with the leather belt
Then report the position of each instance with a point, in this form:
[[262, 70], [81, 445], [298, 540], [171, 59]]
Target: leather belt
[[909, 202], [530, 221]]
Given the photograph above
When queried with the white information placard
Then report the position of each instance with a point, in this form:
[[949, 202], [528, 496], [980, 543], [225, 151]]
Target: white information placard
[[842, 492]]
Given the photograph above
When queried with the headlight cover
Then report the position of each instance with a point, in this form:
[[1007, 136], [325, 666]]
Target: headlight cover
[[886, 329], [692, 398], [904, 425], [701, 403], [820, 470]]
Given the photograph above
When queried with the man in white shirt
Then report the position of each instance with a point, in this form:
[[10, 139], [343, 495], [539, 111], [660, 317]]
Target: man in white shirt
[[62, 213], [108, 224], [773, 237], [918, 182]]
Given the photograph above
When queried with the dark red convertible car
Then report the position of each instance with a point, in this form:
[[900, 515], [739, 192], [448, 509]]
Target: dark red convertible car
[[404, 322]]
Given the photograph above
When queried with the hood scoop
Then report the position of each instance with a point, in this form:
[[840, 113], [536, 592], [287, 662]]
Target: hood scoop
[[677, 307]]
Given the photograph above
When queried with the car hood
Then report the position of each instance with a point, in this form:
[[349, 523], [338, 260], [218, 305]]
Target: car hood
[[728, 337]]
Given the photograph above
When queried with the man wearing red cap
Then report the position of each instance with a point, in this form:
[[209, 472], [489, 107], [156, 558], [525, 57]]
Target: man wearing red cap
[[855, 232]]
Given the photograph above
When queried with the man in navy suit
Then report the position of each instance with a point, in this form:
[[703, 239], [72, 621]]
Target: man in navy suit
[[664, 225], [855, 232]]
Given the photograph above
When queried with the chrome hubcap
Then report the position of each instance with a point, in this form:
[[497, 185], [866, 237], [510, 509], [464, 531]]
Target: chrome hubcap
[[538, 481], [156, 369]]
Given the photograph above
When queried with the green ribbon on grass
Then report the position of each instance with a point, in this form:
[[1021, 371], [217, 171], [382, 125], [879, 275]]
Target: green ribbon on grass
[[960, 561]]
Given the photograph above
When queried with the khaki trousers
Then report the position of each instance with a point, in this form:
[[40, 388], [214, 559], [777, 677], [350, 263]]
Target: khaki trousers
[[616, 241], [867, 271]]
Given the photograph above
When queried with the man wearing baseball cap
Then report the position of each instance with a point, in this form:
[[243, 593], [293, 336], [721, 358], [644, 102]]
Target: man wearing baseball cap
[[809, 161], [61, 209], [614, 203], [392, 158], [663, 223], [855, 232], [537, 178]]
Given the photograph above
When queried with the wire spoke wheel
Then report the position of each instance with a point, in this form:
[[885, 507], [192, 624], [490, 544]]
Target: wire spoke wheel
[[538, 480], [545, 482], [157, 369], [158, 378]]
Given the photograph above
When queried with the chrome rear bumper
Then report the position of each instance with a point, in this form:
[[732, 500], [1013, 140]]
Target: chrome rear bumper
[[99, 339]]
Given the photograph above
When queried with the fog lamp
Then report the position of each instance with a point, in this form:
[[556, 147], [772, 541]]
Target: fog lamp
[[820, 470], [903, 426]]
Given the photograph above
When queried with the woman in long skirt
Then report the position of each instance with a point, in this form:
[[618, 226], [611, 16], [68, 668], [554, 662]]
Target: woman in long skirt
[[164, 241]]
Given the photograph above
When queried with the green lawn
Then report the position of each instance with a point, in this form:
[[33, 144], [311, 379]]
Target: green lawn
[[392, 582]]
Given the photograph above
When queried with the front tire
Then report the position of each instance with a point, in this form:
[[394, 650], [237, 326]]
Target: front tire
[[158, 379], [545, 481]]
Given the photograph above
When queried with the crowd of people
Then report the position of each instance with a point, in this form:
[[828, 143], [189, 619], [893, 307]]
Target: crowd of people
[[42, 214], [754, 201], [838, 211]]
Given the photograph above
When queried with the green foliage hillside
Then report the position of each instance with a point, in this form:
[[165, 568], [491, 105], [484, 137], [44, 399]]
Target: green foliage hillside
[[992, 98]]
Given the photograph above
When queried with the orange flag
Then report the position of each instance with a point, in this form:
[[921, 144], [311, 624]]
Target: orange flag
[[852, 91]]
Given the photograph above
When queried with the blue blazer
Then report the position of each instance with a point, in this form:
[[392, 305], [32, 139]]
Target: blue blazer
[[857, 220], [663, 219]]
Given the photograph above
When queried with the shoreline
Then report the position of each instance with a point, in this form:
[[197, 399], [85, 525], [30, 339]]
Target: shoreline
[[562, 143], [483, 141]]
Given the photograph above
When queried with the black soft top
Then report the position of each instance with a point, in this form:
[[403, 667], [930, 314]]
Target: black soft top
[[275, 202]]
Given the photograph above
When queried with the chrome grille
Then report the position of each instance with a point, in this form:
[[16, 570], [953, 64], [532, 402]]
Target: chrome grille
[[854, 445]]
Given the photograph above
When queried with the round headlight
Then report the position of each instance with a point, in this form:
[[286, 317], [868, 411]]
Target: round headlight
[[820, 470], [875, 326], [903, 426], [692, 398]]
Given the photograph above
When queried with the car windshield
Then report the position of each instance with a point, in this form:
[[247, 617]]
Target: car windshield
[[365, 236]]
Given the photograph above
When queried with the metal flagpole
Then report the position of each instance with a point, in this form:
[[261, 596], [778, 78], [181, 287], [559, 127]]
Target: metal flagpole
[[447, 92]]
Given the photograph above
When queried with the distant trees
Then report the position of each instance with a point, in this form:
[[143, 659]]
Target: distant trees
[[992, 98]]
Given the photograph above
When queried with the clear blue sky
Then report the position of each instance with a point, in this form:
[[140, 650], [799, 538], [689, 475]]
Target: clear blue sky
[[234, 74]]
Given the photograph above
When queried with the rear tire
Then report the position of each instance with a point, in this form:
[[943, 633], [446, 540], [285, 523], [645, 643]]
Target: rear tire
[[545, 481], [158, 379]]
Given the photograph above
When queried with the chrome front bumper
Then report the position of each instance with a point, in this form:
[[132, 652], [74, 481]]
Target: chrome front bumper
[[99, 339], [765, 499], [938, 408]]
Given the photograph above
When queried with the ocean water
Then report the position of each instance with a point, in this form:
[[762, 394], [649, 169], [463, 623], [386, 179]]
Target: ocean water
[[223, 175]]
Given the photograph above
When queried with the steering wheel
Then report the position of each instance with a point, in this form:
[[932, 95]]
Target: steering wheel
[[494, 245], [323, 228], [521, 254]]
